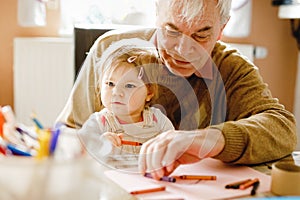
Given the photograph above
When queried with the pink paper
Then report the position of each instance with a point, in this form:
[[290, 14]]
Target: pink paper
[[191, 189]]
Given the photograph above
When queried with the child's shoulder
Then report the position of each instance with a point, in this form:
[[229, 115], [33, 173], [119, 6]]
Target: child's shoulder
[[156, 111], [99, 115]]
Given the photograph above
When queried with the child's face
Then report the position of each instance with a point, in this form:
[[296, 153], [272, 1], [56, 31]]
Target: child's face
[[123, 93]]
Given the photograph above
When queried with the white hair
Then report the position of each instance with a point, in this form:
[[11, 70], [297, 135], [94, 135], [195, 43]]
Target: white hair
[[191, 8]]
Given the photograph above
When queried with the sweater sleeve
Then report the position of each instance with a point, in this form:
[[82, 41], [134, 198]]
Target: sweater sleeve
[[257, 128], [84, 99]]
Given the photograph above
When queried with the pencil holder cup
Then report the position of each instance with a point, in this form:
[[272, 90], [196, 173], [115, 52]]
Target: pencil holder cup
[[285, 178], [29, 178]]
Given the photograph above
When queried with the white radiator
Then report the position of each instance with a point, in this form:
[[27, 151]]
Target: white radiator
[[43, 77]]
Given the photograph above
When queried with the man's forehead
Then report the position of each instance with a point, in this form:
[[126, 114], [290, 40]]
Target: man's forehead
[[203, 14]]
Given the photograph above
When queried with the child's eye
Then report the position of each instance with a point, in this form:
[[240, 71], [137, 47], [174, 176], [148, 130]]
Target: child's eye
[[130, 86], [110, 84]]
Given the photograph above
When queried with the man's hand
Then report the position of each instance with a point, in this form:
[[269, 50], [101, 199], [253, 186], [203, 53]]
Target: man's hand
[[163, 154]]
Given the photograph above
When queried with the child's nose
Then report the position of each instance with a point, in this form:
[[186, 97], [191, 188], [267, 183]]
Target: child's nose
[[118, 91]]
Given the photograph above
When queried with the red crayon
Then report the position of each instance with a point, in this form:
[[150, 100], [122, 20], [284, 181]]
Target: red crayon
[[248, 184], [2, 121], [236, 185]]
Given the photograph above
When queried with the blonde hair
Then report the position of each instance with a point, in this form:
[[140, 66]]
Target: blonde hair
[[191, 8], [143, 58]]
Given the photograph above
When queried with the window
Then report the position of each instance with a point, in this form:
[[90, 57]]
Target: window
[[239, 24], [91, 12]]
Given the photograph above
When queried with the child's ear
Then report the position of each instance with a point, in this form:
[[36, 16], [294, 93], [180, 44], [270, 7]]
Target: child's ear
[[149, 96]]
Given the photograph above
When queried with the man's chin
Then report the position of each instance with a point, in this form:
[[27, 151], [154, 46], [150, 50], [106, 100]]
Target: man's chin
[[185, 71]]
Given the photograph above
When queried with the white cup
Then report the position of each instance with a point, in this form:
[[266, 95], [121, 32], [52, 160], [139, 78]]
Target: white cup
[[285, 178]]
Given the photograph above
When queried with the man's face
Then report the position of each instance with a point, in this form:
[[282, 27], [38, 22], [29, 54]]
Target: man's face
[[185, 46]]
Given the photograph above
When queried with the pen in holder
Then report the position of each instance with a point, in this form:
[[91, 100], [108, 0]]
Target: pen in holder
[[44, 136], [47, 138]]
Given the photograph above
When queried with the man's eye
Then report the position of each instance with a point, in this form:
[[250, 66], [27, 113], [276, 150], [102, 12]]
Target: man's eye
[[130, 86], [172, 33], [199, 38]]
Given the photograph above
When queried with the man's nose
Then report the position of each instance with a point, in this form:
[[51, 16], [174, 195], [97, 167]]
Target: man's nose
[[185, 45]]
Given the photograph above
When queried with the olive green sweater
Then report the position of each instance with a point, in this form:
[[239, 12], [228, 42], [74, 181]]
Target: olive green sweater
[[234, 99]]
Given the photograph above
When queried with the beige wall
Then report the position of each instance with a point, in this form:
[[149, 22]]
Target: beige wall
[[278, 69], [9, 30]]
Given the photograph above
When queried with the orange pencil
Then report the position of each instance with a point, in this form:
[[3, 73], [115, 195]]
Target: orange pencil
[[162, 188], [248, 184], [195, 177], [132, 143]]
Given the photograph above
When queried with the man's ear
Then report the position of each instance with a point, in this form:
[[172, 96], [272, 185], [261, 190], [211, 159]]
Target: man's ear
[[222, 28]]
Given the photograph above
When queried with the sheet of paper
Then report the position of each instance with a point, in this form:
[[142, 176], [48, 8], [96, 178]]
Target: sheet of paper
[[191, 189]]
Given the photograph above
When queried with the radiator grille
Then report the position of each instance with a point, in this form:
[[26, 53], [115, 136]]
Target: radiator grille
[[43, 77]]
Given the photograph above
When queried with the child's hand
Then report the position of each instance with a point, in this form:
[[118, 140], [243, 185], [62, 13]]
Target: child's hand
[[115, 139]]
